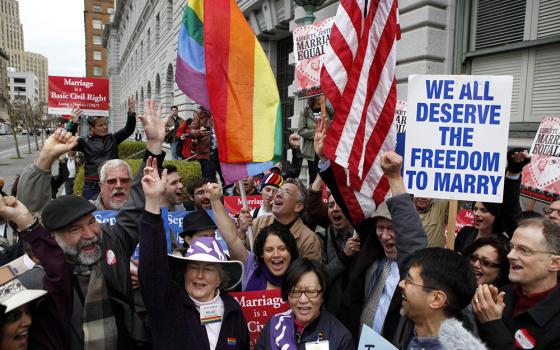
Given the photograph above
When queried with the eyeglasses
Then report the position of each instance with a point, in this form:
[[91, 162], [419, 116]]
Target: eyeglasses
[[524, 250], [114, 181], [311, 294], [549, 211], [407, 282], [200, 193], [383, 228], [483, 261]]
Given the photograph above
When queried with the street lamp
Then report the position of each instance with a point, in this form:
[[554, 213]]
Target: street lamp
[[309, 6]]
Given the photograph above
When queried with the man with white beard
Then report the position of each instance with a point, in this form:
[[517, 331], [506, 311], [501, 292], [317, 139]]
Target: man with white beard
[[115, 181]]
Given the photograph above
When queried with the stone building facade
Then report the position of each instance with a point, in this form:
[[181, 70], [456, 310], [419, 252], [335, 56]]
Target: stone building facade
[[519, 38]]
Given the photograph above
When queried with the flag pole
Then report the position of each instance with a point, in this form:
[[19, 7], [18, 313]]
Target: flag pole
[[451, 220], [244, 202]]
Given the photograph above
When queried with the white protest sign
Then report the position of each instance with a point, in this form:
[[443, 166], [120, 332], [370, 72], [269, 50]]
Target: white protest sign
[[456, 136], [370, 340]]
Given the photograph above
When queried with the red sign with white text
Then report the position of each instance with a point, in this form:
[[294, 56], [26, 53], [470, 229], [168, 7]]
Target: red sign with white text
[[258, 307], [91, 95], [234, 203]]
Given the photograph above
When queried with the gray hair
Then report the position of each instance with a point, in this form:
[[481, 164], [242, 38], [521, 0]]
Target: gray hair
[[301, 188], [111, 164]]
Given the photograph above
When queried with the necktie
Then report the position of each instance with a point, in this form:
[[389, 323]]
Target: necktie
[[368, 315]]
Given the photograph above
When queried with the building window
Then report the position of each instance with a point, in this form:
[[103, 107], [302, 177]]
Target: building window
[[97, 40], [169, 14], [148, 41], [157, 29], [97, 55], [96, 8], [97, 71], [97, 24]]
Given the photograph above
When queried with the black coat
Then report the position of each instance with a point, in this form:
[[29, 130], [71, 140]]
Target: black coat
[[541, 322]]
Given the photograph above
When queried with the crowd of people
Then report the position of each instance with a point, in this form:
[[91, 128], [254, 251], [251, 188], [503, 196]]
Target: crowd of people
[[114, 285]]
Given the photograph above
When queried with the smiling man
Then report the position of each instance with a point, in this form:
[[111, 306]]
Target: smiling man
[[115, 180], [525, 314], [287, 206]]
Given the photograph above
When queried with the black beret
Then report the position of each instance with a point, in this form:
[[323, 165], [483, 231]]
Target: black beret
[[64, 210]]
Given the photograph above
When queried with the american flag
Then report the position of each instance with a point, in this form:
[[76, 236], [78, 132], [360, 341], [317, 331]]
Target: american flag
[[358, 77]]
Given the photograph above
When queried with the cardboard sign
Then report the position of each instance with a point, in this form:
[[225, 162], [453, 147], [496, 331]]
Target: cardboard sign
[[258, 307], [370, 340], [91, 95], [456, 139], [541, 178], [233, 204], [310, 43]]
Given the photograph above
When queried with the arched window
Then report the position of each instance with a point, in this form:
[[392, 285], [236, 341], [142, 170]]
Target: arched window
[[169, 87], [157, 92], [169, 14], [149, 90]]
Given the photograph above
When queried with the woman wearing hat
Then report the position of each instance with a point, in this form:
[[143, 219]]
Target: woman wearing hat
[[16, 319], [194, 313], [274, 249], [270, 184]]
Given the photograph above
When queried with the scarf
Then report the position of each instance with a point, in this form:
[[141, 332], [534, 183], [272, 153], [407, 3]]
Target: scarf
[[260, 278], [282, 334], [98, 321]]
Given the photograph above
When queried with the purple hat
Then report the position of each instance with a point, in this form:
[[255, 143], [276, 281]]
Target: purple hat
[[208, 250]]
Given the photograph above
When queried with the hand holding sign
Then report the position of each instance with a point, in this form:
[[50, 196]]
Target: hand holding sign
[[131, 105], [76, 114], [517, 158]]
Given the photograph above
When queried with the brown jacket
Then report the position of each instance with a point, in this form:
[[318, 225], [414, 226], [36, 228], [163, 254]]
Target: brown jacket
[[308, 243], [201, 142]]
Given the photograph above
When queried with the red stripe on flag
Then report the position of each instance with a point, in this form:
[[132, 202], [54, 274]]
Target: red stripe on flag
[[355, 14], [382, 128], [347, 193], [216, 45], [384, 47], [339, 44], [335, 132], [329, 87]]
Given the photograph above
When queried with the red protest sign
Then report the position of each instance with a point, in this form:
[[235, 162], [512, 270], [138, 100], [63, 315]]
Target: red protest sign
[[234, 203], [258, 307], [91, 95]]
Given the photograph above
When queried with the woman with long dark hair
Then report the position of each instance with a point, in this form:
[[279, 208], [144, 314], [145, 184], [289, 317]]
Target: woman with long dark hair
[[274, 249]]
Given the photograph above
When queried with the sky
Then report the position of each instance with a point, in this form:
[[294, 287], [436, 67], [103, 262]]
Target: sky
[[55, 29]]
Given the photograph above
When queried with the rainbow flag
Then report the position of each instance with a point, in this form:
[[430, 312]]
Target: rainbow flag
[[222, 66]]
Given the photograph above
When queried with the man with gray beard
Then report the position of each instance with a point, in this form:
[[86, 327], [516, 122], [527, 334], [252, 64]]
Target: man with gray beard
[[103, 315], [115, 181]]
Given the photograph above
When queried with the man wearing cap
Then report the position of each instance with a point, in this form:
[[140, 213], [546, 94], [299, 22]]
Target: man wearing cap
[[383, 259], [193, 312], [100, 253], [270, 184], [51, 319]]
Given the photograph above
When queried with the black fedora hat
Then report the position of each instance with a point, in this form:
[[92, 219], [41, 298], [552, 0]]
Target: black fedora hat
[[196, 221]]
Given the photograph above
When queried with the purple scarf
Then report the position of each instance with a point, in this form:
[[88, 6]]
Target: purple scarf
[[282, 335], [262, 275]]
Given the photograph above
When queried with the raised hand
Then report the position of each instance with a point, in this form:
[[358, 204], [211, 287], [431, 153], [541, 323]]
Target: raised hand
[[517, 158], [58, 143], [245, 220], [153, 185], [76, 114], [131, 105], [321, 129], [214, 191], [13, 210], [154, 125], [294, 141], [391, 163], [488, 303], [352, 246]]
